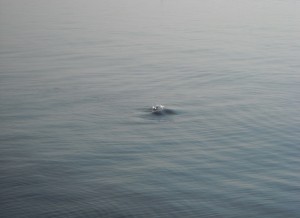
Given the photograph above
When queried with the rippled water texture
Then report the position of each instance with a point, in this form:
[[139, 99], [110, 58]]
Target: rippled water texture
[[77, 83]]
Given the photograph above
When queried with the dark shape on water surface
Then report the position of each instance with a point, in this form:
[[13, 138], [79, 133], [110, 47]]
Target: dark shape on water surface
[[161, 110]]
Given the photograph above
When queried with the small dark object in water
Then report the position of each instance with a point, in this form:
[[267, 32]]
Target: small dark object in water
[[161, 110], [158, 109]]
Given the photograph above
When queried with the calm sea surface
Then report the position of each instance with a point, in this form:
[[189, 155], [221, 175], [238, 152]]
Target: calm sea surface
[[78, 79]]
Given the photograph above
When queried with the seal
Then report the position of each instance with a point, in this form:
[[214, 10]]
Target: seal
[[158, 108]]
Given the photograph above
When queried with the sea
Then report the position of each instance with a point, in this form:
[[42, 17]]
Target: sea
[[78, 79]]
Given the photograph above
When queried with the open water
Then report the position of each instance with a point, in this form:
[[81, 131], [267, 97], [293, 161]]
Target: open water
[[77, 82]]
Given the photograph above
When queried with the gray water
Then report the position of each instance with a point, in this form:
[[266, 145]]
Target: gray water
[[77, 83]]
